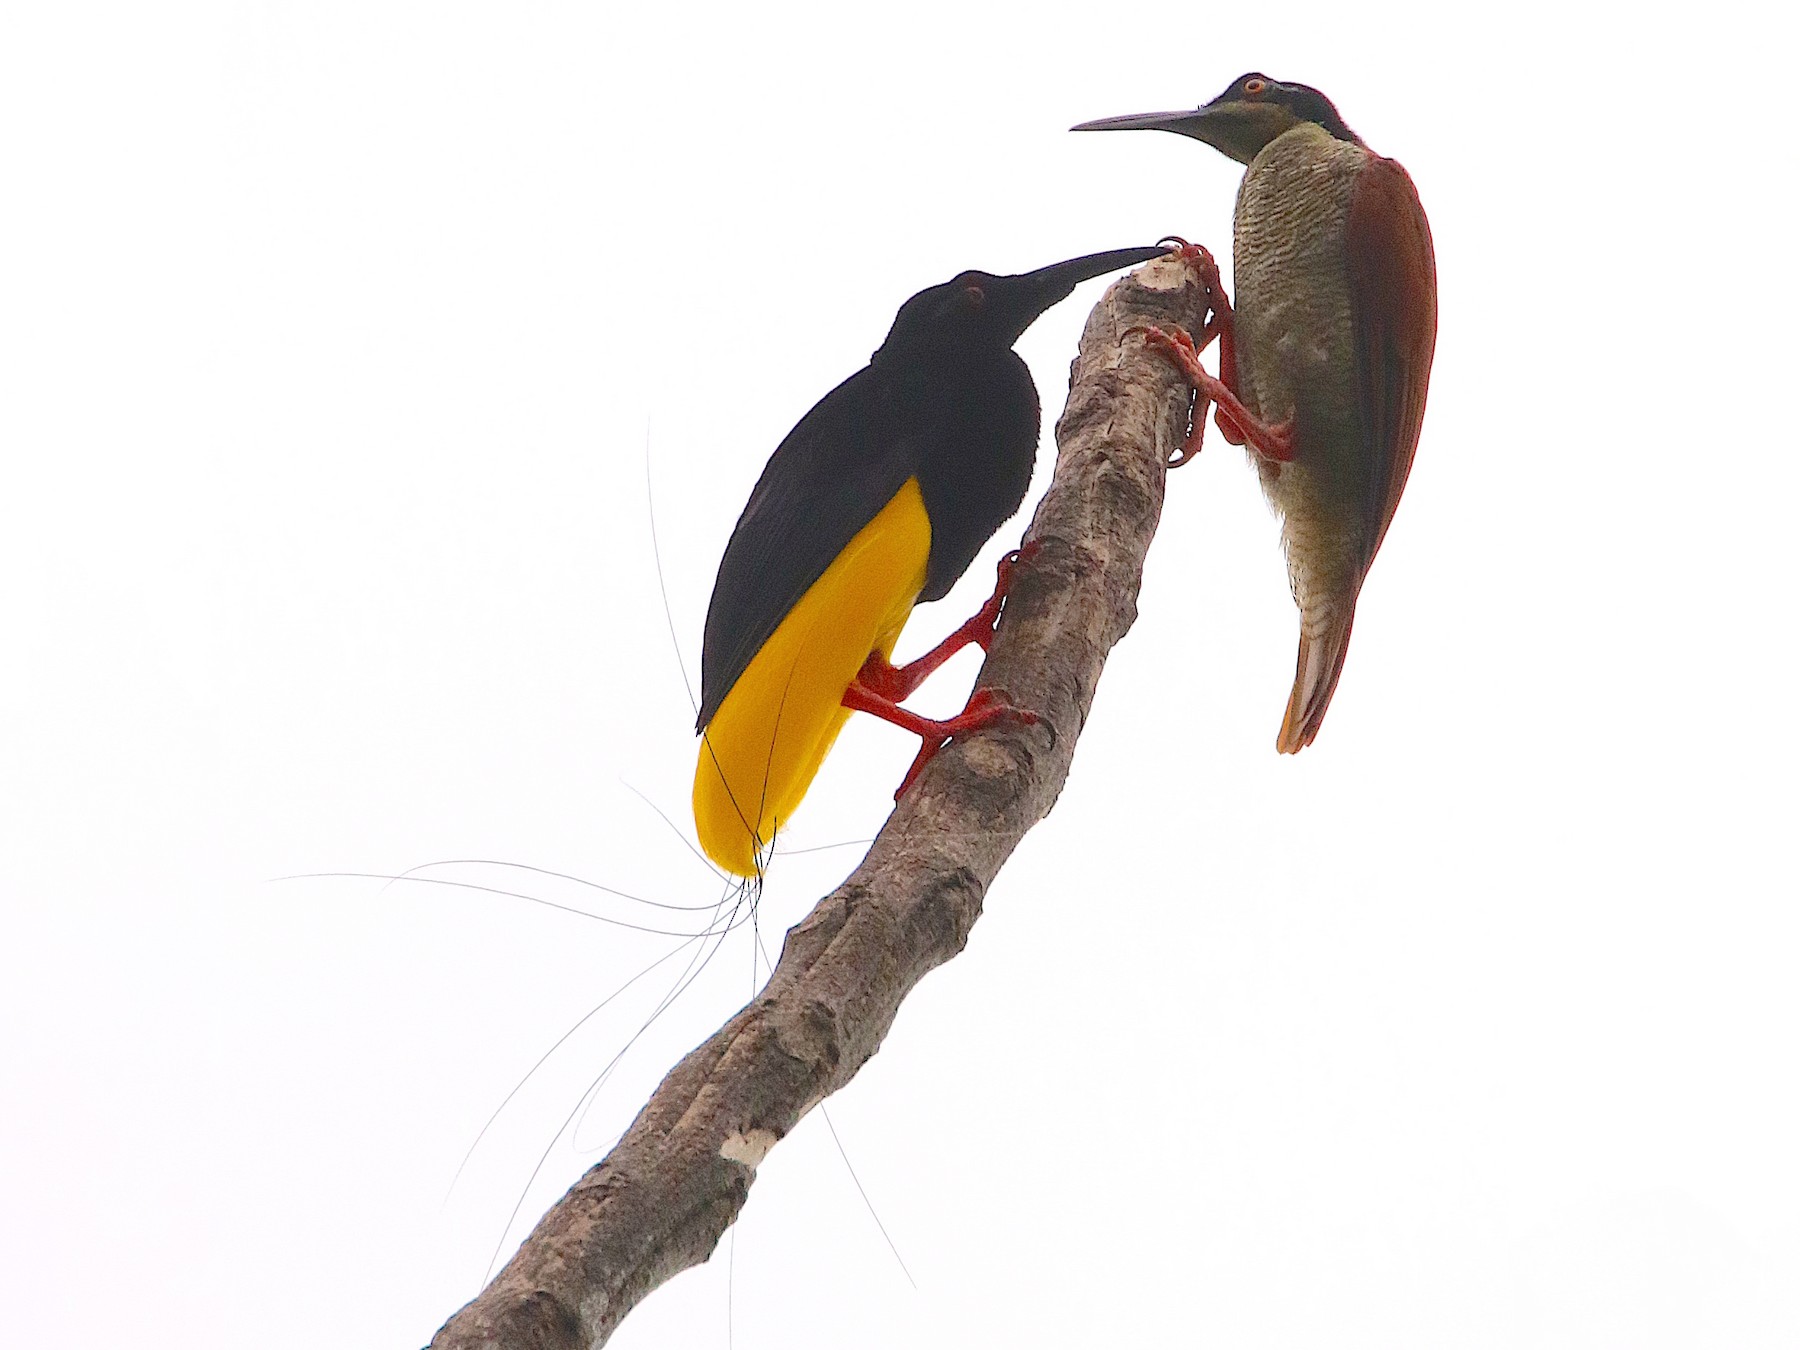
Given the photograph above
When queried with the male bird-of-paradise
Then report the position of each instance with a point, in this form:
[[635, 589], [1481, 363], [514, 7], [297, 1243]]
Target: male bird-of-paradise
[[878, 499], [1328, 353]]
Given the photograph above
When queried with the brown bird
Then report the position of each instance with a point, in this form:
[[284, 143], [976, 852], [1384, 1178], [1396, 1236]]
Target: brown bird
[[1329, 349]]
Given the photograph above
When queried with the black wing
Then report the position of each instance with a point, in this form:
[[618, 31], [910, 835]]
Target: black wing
[[827, 479]]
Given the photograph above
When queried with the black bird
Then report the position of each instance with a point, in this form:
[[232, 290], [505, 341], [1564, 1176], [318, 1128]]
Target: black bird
[[878, 499]]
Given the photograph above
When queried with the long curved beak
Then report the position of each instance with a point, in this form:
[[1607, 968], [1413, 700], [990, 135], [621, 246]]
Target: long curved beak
[[1064, 277], [1029, 294]]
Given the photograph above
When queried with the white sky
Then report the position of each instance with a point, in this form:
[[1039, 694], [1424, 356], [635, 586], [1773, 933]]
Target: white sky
[[332, 338]]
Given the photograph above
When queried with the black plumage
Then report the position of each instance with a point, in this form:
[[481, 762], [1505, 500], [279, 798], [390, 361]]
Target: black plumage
[[880, 497], [945, 400]]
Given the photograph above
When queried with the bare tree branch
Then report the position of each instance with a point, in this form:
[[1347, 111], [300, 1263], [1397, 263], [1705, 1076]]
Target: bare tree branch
[[660, 1201]]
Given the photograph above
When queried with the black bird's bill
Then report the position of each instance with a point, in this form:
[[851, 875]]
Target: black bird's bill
[[1017, 301], [1064, 277], [982, 312], [1058, 280]]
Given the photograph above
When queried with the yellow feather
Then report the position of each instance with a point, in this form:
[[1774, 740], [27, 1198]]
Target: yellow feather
[[773, 730]]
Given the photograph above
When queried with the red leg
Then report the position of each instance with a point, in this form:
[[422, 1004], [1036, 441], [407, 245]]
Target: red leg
[[1224, 323], [1221, 323], [1196, 436], [1272, 442], [984, 710], [1218, 325], [885, 680]]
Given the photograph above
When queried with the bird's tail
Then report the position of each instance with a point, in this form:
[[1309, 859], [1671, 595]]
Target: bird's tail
[[1315, 678]]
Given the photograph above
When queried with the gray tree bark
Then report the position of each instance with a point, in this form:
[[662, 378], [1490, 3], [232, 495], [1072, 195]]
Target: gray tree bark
[[660, 1201]]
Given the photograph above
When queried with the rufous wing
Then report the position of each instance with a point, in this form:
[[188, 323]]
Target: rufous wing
[[1393, 297]]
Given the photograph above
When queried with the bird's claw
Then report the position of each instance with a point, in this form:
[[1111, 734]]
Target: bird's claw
[[1200, 258], [1239, 425], [1221, 323], [986, 622], [1178, 343], [985, 708], [1179, 347], [893, 683], [1012, 562]]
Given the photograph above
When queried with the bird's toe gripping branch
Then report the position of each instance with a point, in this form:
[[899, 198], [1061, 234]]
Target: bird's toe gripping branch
[[894, 683], [1236, 422], [879, 686], [1206, 268], [984, 709]]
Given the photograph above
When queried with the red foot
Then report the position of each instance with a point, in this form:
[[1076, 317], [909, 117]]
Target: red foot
[[1235, 422], [1155, 337], [1220, 321], [985, 708], [1272, 442], [885, 680]]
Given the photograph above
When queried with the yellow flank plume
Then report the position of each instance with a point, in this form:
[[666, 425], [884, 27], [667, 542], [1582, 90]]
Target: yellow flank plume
[[773, 730]]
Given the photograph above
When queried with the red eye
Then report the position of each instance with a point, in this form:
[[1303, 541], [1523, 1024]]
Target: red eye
[[1255, 88], [974, 296]]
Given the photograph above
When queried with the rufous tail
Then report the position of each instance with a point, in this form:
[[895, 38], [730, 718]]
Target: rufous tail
[[1315, 678]]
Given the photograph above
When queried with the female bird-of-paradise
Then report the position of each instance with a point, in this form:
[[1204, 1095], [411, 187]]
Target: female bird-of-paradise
[[1324, 365]]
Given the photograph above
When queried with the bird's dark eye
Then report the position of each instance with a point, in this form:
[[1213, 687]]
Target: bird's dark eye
[[1255, 88], [973, 296]]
